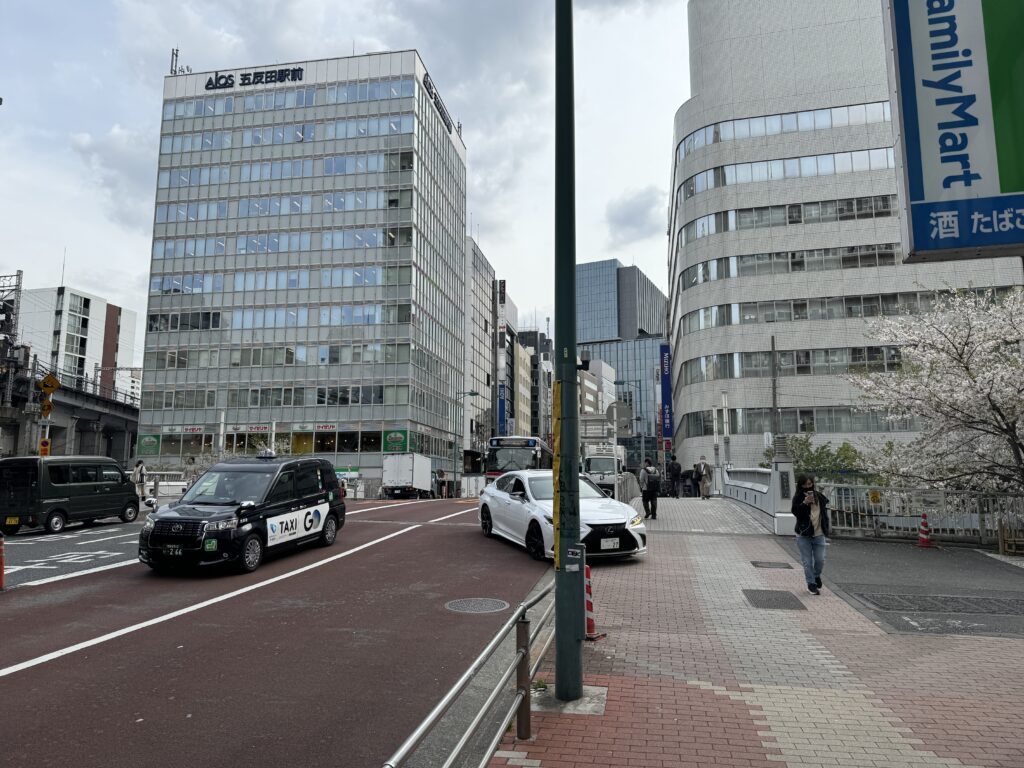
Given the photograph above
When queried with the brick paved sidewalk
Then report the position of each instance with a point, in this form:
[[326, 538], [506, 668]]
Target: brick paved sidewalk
[[696, 676]]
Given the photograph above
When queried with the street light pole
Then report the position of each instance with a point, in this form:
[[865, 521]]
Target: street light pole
[[460, 396], [569, 556]]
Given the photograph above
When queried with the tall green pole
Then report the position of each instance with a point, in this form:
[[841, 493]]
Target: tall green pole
[[569, 616]]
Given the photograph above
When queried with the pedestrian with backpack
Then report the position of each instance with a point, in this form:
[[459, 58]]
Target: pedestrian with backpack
[[650, 482]]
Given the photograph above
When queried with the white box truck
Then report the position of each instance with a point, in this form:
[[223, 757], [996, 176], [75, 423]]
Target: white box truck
[[406, 475], [604, 463]]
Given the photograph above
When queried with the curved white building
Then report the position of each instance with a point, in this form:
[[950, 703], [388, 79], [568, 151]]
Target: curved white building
[[783, 226]]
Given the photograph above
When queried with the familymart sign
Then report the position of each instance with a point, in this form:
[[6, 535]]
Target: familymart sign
[[959, 74]]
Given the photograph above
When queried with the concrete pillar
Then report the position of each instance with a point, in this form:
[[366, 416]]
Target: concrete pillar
[[97, 440], [72, 439], [783, 487]]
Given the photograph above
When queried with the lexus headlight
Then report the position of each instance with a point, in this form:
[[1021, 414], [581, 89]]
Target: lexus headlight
[[638, 520], [223, 525]]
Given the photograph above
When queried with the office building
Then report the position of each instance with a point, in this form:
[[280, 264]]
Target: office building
[[620, 319], [540, 347], [481, 315], [307, 270], [507, 361], [783, 228], [86, 340]]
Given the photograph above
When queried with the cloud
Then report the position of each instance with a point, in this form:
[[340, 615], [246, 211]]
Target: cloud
[[122, 167], [636, 215]]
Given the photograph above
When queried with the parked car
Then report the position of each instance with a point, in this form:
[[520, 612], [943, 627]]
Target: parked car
[[518, 506], [53, 491], [243, 508]]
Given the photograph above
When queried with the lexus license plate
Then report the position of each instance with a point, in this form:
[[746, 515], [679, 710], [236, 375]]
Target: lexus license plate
[[609, 543], [172, 549]]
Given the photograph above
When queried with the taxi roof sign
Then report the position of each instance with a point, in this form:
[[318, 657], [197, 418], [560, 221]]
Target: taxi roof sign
[[49, 383]]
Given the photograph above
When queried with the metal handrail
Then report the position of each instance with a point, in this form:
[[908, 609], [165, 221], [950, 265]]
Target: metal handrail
[[420, 733]]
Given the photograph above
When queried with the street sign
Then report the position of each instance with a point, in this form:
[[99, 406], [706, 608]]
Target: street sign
[[44, 447], [45, 409], [956, 67], [49, 384]]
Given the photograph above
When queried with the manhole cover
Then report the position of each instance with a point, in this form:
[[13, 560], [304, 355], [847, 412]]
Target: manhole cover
[[992, 606], [476, 605], [769, 564], [773, 598]]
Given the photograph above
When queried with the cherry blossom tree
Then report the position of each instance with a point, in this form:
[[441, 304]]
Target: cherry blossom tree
[[962, 382]]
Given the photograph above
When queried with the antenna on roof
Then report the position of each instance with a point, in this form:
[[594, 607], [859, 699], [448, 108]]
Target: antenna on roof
[[174, 61]]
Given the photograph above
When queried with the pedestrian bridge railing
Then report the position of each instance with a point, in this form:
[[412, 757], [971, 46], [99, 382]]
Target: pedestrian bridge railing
[[953, 516], [766, 490]]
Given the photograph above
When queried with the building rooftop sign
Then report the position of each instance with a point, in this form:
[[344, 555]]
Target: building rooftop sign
[[217, 81], [957, 72]]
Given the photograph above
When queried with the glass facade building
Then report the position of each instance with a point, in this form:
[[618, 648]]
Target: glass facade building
[[307, 268], [784, 229]]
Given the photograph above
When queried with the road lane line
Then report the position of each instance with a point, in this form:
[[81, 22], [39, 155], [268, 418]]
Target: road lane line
[[50, 579], [109, 538], [192, 608], [454, 514], [387, 506]]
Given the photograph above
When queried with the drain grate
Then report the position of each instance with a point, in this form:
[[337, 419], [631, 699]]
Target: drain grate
[[769, 564], [778, 599], [992, 606], [476, 605]]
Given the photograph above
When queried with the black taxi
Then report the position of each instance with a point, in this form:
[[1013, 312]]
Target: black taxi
[[240, 509]]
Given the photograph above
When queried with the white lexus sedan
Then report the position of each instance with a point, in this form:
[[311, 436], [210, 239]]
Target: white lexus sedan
[[518, 506]]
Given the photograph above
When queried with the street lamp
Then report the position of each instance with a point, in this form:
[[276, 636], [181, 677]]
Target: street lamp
[[460, 396]]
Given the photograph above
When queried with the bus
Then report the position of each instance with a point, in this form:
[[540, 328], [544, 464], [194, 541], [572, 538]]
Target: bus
[[505, 454]]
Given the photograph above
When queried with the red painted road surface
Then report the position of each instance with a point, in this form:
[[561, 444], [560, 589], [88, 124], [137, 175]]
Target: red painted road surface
[[333, 666]]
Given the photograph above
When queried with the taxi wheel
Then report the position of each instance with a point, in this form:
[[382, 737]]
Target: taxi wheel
[[129, 513], [252, 553], [330, 532], [486, 525], [535, 542], [55, 522]]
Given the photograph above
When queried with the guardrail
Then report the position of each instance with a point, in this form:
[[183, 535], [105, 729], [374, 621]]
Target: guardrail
[[954, 516], [521, 667], [766, 490]]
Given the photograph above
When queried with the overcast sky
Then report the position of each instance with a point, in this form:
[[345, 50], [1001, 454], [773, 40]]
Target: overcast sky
[[79, 126]]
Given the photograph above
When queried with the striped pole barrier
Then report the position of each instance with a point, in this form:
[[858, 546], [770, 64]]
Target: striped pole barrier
[[924, 534], [592, 633]]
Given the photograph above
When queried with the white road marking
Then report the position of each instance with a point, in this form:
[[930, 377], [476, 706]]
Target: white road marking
[[78, 573], [387, 506], [454, 514], [109, 538], [191, 608]]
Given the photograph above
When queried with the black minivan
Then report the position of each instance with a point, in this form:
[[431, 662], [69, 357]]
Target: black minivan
[[53, 491], [240, 509]]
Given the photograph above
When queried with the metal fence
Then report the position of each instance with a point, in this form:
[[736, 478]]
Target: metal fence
[[954, 516]]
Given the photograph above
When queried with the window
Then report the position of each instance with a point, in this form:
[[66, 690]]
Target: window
[[60, 474], [283, 489], [307, 480], [83, 473]]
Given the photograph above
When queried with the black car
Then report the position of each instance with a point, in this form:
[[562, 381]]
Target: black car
[[242, 508]]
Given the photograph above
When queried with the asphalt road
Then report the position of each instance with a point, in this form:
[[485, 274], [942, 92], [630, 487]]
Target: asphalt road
[[322, 657]]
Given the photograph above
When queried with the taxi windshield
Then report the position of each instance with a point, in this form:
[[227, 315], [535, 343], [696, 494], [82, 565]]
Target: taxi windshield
[[218, 487]]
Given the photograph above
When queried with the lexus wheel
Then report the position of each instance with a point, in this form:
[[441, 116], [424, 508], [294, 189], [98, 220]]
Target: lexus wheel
[[252, 553], [535, 542], [486, 524]]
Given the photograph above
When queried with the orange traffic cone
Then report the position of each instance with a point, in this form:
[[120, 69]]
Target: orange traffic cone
[[924, 535], [592, 633]]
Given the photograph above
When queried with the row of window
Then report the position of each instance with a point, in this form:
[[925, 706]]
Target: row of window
[[825, 308], [337, 277], [285, 205], [291, 133], [822, 211], [290, 99], [374, 394], [790, 168], [800, 362], [198, 176], [820, 420], [791, 122], [786, 262], [273, 356], [182, 399], [283, 242], [299, 442], [281, 317]]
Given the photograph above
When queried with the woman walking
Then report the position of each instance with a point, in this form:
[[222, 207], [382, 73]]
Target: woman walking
[[139, 478], [810, 508]]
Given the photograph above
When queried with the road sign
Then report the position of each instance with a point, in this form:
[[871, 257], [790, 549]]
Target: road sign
[[44, 447], [49, 384], [956, 67], [45, 409]]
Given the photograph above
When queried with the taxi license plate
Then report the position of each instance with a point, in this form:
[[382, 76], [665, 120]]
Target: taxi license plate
[[172, 549], [12, 521], [609, 543]]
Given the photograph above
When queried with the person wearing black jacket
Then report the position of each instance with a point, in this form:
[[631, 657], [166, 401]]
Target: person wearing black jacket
[[810, 508]]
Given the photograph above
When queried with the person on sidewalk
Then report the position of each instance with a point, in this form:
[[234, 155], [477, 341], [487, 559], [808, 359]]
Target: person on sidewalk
[[675, 470], [810, 508], [650, 479], [702, 474], [139, 479], [191, 472]]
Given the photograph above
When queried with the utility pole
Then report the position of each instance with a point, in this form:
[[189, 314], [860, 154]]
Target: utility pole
[[569, 555]]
